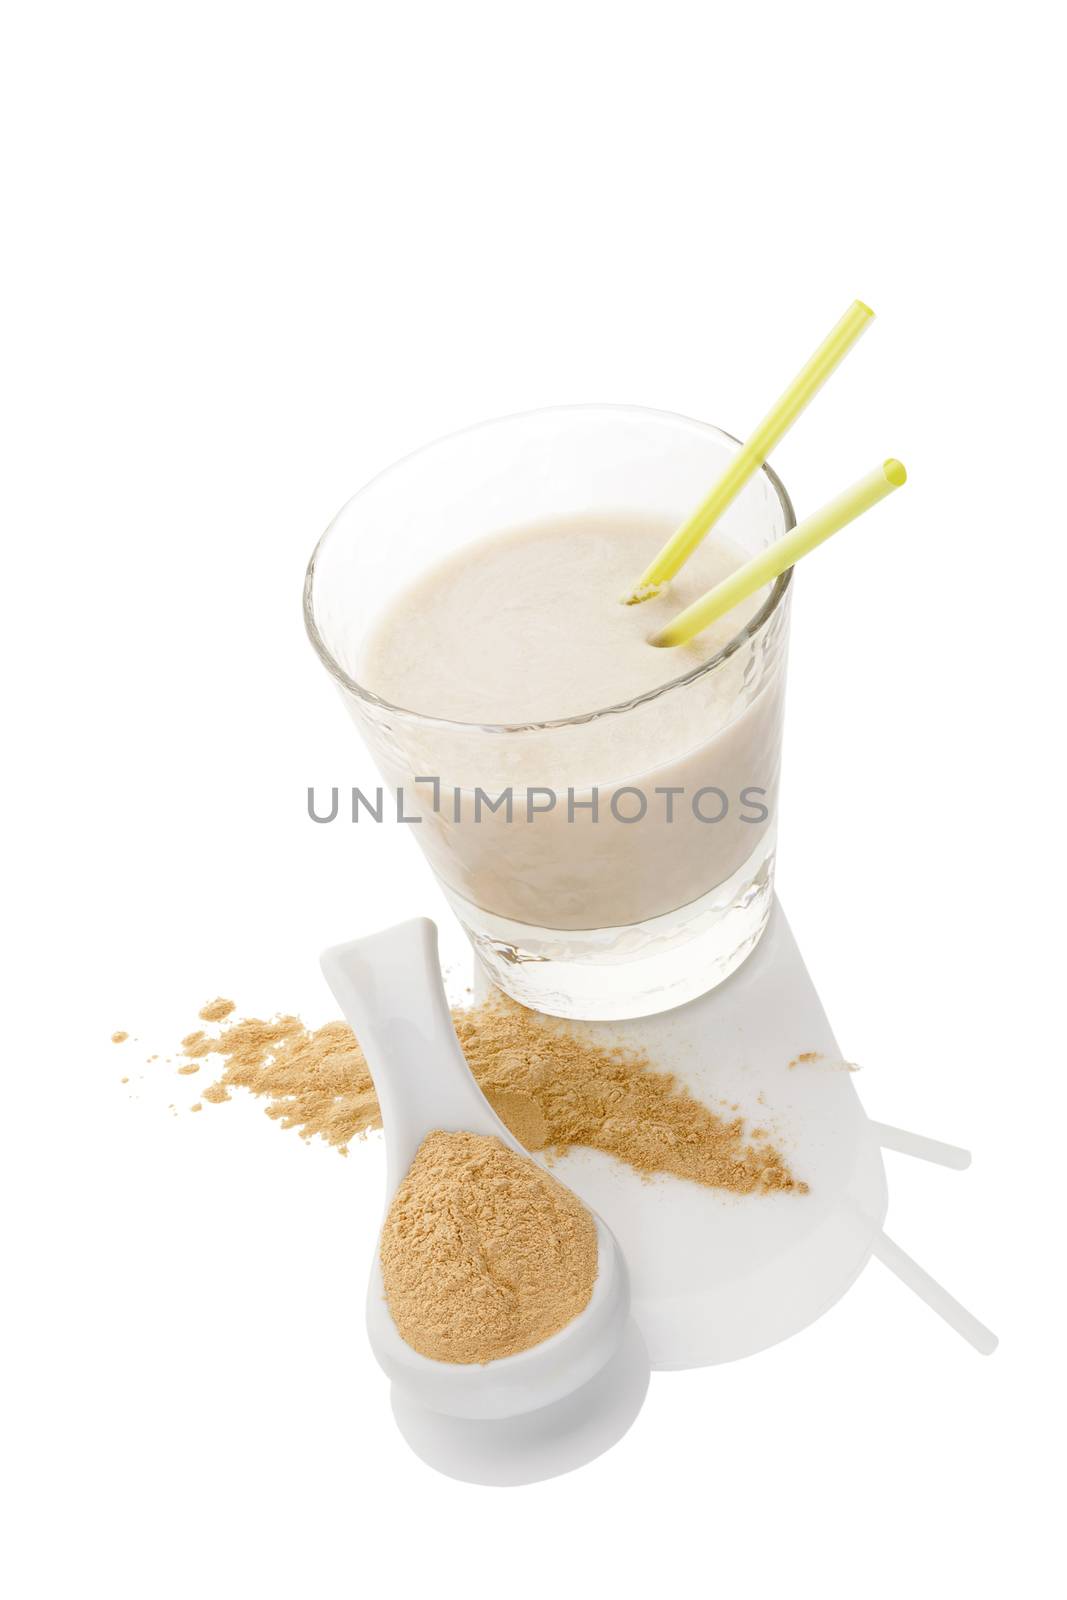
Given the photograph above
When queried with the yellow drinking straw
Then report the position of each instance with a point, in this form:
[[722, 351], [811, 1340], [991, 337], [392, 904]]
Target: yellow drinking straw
[[779, 557], [751, 456]]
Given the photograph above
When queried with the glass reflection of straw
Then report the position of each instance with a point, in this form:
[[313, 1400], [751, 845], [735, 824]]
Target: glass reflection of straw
[[754, 452], [783, 554]]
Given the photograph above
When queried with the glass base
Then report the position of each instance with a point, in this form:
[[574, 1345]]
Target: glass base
[[610, 974]]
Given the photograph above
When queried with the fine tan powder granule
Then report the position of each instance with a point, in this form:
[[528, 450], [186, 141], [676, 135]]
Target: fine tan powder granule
[[553, 1089], [215, 1010], [482, 1253]]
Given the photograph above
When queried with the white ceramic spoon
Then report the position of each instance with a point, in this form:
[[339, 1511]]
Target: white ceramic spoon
[[526, 1416]]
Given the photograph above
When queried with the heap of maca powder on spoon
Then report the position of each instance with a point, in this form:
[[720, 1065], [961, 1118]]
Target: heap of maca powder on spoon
[[483, 1254], [554, 1089]]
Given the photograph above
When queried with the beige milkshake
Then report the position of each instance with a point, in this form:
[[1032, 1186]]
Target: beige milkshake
[[615, 819], [528, 625], [599, 812]]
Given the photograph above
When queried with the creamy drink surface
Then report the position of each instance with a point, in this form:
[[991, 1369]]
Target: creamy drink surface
[[528, 627]]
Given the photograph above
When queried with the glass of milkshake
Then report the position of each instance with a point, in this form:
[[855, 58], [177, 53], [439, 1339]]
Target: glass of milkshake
[[600, 813]]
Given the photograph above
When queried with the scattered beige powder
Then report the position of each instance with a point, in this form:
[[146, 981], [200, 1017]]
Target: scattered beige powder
[[804, 1060], [608, 1099], [811, 1056], [554, 1090], [120, 1037], [215, 1010], [482, 1253]]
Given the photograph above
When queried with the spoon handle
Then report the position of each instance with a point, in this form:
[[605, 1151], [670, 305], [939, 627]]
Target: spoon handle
[[390, 990]]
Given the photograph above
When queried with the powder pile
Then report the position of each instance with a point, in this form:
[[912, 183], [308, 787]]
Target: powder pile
[[554, 1090], [215, 1010], [482, 1253]]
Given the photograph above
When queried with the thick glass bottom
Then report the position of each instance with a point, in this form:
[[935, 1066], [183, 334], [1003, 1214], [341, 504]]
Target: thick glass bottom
[[609, 974]]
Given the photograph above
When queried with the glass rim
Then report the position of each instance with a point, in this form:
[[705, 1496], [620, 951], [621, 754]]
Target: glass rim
[[754, 625]]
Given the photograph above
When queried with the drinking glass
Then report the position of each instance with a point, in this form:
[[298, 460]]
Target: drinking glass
[[649, 877]]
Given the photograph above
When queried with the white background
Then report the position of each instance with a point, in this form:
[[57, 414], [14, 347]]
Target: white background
[[255, 252]]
